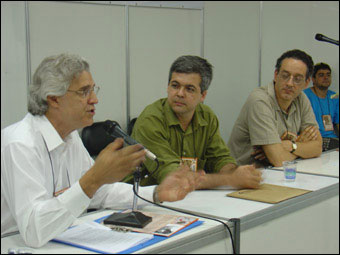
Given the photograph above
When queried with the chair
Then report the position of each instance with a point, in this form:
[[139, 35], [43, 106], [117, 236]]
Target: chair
[[131, 125], [95, 138]]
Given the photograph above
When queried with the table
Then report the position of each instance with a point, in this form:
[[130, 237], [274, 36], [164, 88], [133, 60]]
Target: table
[[304, 224], [208, 237], [327, 164]]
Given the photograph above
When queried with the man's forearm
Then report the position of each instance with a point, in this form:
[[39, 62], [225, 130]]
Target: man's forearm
[[213, 180], [309, 149], [218, 179], [276, 154]]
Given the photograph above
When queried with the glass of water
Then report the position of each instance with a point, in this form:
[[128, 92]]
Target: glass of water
[[289, 169]]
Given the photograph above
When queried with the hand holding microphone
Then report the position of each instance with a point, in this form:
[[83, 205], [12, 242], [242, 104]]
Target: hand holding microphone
[[112, 164]]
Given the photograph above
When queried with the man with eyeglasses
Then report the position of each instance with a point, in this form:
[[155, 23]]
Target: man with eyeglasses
[[48, 178], [277, 122], [181, 130], [325, 105]]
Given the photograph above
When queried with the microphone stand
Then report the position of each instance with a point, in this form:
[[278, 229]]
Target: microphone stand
[[132, 219]]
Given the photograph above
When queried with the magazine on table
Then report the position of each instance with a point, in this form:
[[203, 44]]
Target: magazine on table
[[161, 224]]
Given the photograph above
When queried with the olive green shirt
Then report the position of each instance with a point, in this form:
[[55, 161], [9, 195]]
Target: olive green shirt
[[159, 130], [262, 121]]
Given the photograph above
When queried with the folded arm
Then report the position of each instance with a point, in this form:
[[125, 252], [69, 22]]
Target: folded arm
[[309, 145]]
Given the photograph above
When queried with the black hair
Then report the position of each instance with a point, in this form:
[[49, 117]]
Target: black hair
[[299, 55], [321, 66], [193, 64]]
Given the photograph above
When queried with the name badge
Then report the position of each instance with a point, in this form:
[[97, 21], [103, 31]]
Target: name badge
[[327, 122], [190, 162]]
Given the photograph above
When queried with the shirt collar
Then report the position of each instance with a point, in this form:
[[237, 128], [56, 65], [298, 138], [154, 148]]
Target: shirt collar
[[49, 133]]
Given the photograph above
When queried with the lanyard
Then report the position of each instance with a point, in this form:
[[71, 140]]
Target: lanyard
[[49, 155], [329, 107]]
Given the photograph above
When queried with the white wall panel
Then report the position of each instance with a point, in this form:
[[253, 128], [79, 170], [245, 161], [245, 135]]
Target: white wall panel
[[13, 63], [97, 33], [293, 25], [157, 37], [231, 40]]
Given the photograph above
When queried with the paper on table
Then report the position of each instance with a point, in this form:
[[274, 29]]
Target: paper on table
[[97, 237], [269, 193]]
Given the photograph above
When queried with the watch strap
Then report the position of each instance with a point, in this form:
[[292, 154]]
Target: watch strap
[[294, 147]]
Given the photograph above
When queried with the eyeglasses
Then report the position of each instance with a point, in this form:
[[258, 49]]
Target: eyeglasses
[[297, 80], [86, 92]]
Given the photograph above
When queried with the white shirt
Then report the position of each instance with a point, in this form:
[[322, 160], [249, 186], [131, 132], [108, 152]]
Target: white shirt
[[36, 163]]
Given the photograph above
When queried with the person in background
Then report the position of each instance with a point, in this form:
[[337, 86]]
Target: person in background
[[48, 178], [277, 122], [180, 129], [325, 105]]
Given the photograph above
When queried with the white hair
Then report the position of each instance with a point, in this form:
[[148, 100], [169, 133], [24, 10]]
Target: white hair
[[52, 78]]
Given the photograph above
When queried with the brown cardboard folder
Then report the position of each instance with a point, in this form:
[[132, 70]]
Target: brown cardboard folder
[[269, 193]]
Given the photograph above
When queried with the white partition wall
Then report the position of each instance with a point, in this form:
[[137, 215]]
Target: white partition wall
[[157, 36], [13, 63], [131, 45], [96, 32], [244, 39], [231, 40], [293, 25], [129, 48]]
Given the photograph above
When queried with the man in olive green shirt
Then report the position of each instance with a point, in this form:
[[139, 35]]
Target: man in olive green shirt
[[181, 130], [277, 122]]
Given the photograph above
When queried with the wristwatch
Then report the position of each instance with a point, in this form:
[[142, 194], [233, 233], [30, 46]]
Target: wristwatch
[[294, 147]]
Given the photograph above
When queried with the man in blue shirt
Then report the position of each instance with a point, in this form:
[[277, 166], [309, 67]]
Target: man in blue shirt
[[325, 104]]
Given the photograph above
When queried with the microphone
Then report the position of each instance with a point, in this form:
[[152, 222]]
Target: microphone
[[321, 37], [112, 128]]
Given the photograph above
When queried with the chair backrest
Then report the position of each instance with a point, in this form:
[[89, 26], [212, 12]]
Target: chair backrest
[[130, 125], [95, 138]]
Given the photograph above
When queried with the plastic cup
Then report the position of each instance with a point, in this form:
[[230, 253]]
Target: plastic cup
[[289, 169]]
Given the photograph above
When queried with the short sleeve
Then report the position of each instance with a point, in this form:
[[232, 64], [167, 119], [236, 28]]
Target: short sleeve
[[262, 124]]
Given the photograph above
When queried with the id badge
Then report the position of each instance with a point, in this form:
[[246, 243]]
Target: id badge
[[191, 162], [327, 122]]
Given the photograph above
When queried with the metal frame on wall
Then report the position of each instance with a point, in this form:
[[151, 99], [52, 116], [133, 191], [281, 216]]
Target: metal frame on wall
[[187, 5], [154, 4]]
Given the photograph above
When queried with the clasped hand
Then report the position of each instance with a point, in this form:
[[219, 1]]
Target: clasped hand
[[309, 134]]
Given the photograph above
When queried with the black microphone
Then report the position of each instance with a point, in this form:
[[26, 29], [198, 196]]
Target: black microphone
[[112, 128], [321, 37]]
